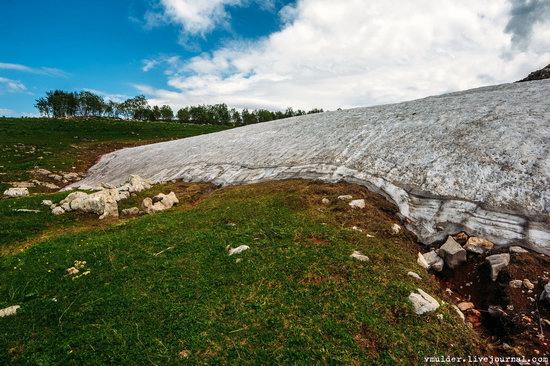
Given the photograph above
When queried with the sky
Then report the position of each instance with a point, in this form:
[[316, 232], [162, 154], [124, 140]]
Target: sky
[[266, 53]]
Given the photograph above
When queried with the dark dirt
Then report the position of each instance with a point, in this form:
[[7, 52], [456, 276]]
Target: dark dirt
[[522, 329]]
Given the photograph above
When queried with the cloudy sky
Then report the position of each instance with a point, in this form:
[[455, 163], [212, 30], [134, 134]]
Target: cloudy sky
[[266, 53]]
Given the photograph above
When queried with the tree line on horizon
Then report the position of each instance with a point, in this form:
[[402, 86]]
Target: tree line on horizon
[[83, 104]]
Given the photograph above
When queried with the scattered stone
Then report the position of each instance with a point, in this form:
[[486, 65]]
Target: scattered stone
[[325, 201], [396, 229], [422, 302], [515, 283], [452, 253], [414, 275], [478, 245], [132, 211], [345, 197], [357, 203], [459, 312], [528, 284], [47, 202], [21, 184], [136, 184], [58, 211], [237, 250], [466, 305], [439, 316], [359, 256], [355, 228], [497, 262], [56, 177], [26, 210], [71, 271], [461, 237], [496, 311], [518, 250], [16, 192], [9, 311], [70, 176], [422, 261], [41, 171], [434, 261]]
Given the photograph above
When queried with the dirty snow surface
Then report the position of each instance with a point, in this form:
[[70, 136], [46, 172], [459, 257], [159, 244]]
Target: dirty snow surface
[[476, 160]]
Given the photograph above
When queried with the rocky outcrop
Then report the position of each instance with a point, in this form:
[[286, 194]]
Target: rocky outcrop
[[475, 161], [541, 74]]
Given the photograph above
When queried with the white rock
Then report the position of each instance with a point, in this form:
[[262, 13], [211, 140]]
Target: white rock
[[9, 311], [495, 190], [16, 192], [58, 211], [515, 283], [102, 203], [130, 211], [422, 261], [136, 184], [345, 197], [359, 256], [414, 275], [518, 250], [238, 249], [47, 202], [422, 302], [396, 229], [452, 253], [497, 262], [159, 203], [26, 210], [325, 201], [434, 261], [357, 203]]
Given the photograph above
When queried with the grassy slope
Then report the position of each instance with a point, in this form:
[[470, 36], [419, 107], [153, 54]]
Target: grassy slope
[[60, 145], [296, 296]]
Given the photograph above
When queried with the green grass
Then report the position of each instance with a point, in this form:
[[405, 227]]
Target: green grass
[[61, 145], [295, 298]]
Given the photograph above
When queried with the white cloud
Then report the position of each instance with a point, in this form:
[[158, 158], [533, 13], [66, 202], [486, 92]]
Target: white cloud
[[50, 71], [198, 17], [11, 86], [350, 53]]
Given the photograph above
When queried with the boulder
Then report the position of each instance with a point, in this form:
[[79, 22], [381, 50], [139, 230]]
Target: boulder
[[16, 192], [422, 302], [422, 261], [325, 201], [459, 312], [478, 245], [359, 256], [136, 184], [497, 262], [132, 211], [517, 250], [357, 203], [47, 202], [9, 311], [159, 203], [434, 261], [102, 203], [452, 253], [58, 211]]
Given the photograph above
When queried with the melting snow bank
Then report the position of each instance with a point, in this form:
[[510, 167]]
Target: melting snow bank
[[476, 160]]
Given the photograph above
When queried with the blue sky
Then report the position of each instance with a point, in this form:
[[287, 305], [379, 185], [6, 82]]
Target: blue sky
[[266, 53]]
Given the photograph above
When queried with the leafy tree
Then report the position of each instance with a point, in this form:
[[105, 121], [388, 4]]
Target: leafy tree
[[183, 115], [236, 118], [43, 106], [90, 104], [248, 117], [166, 113]]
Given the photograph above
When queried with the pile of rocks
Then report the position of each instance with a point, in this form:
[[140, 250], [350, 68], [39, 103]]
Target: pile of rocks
[[159, 203], [454, 252], [103, 202]]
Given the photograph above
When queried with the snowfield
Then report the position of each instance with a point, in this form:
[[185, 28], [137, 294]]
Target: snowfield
[[476, 160]]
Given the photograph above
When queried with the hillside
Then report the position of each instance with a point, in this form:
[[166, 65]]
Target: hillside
[[475, 160], [74, 145]]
